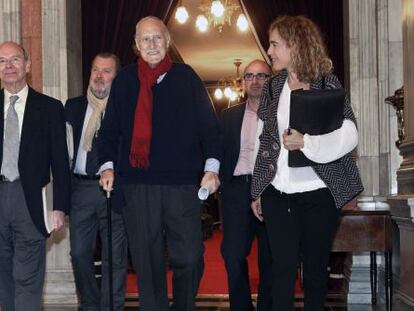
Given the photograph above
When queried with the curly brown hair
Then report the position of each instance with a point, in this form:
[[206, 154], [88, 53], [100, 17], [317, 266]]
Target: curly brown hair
[[308, 51]]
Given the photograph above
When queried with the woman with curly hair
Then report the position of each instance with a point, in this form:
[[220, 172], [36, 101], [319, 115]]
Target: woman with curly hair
[[301, 206]]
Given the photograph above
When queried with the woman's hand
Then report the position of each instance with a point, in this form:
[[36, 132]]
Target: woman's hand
[[292, 139], [256, 207]]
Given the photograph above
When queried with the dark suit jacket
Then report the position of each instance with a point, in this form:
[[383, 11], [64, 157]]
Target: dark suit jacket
[[232, 120], [75, 110], [42, 150]]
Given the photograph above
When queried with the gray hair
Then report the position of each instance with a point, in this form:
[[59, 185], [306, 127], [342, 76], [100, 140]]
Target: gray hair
[[160, 21]]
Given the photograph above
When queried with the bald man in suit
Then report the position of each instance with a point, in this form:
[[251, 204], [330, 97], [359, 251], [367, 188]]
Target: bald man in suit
[[32, 144], [240, 227]]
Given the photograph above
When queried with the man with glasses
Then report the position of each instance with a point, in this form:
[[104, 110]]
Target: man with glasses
[[31, 148], [163, 118], [240, 131]]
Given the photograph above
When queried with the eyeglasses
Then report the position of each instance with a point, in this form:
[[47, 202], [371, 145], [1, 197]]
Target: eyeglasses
[[14, 61], [259, 76]]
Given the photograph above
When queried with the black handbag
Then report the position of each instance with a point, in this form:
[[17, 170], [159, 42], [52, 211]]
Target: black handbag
[[314, 112]]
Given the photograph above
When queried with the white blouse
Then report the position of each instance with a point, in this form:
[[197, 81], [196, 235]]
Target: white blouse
[[318, 148]]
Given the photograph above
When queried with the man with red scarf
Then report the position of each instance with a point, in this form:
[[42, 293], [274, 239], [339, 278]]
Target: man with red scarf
[[160, 132]]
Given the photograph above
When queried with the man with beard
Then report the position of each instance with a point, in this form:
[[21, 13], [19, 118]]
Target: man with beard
[[163, 118], [88, 215], [240, 227]]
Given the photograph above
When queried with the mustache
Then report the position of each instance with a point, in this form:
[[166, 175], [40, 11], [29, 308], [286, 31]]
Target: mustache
[[152, 52], [99, 81]]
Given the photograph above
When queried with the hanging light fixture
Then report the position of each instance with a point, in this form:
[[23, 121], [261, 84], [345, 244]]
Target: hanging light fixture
[[217, 13], [231, 87]]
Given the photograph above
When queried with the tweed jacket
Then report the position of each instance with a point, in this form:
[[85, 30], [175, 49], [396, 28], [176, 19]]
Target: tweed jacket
[[340, 176]]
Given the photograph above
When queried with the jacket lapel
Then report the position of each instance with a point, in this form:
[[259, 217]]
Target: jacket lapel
[[78, 126], [31, 121], [270, 103]]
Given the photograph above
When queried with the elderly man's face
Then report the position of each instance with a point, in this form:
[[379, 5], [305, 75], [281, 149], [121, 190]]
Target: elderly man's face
[[13, 66], [152, 42], [102, 73]]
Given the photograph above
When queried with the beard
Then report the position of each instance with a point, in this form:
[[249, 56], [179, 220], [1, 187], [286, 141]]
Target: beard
[[99, 89]]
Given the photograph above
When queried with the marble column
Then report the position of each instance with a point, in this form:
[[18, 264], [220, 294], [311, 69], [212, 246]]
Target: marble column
[[31, 29], [375, 71], [61, 41], [406, 171], [10, 20], [402, 205]]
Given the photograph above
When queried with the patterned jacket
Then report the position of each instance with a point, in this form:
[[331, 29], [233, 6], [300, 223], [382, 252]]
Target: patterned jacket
[[341, 176]]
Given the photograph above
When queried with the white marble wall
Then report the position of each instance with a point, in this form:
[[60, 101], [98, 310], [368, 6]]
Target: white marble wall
[[10, 20]]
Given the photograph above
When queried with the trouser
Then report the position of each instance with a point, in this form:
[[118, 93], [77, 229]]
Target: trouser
[[240, 227], [299, 225], [155, 214], [88, 218], [22, 252]]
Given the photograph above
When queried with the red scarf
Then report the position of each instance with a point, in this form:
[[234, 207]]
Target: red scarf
[[142, 133]]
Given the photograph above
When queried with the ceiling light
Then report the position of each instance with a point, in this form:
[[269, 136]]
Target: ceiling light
[[218, 94], [181, 15], [202, 23], [242, 23], [217, 8], [231, 87], [217, 13]]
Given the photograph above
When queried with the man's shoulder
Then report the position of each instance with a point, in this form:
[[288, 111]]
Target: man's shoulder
[[126, 74], [77, 99], [235, 109], [182, 68], [74, 102], [46, 100]]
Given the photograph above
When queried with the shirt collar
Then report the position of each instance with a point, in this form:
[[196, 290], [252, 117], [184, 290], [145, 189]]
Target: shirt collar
[[22, 94]]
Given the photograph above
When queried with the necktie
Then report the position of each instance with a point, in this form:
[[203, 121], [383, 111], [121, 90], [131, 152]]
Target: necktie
[[11, 142]]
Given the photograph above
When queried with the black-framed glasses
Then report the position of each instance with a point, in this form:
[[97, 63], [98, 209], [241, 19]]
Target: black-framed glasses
[[259, 76]]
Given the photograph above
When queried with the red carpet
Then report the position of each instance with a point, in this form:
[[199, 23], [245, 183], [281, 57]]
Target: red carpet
[[214, 280]]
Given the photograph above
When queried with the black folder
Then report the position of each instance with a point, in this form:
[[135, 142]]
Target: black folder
[[314, 112]]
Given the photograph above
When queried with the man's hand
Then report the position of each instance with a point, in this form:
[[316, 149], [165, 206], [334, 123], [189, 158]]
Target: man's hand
[[210, 181], [257, 208], [107, 180], [58, 220], [292, 140]]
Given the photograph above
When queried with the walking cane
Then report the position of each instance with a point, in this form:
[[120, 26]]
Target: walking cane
[[109, 217]]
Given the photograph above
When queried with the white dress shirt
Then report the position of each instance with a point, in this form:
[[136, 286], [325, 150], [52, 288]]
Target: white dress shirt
[[80, 164], [20, 105]]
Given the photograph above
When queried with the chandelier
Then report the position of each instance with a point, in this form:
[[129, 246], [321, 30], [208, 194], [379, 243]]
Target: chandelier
[[217, 13], [231, 87]]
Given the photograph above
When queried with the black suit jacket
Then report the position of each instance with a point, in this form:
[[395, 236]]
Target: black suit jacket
[[232, 120], [42, 150], [75, 110]]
